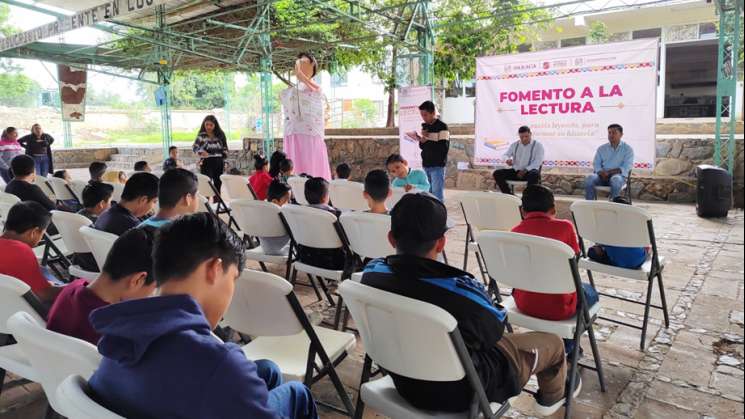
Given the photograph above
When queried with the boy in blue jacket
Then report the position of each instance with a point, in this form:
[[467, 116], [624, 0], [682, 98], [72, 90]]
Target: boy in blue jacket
[[160, 357]]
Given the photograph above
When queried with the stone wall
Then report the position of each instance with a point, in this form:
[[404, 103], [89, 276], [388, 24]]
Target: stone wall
[[673, 179]]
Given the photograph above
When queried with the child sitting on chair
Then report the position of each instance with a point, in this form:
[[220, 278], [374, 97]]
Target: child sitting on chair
[[278, 194], [317, 195], [377, 191], [261, 179], [404, 177], [343, 172], [623, 257], [286, 170]]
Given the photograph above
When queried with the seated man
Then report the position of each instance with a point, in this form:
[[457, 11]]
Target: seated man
[[539, 211], [377, 191], [97, 169], [278, 194], [138, 199], [525, 158], [504, 362], [623, 257], [23, 185], [612, 164], [160, 359], [126, 275], [177, 196], [25, 226]]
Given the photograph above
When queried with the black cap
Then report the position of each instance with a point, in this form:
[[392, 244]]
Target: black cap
[[419, 216]]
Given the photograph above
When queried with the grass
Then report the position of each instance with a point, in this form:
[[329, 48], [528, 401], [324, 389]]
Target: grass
[[154, 138]]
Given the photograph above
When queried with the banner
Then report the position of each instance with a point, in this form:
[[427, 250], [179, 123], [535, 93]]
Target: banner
[[410, 121], [568, 97], [72, 87]]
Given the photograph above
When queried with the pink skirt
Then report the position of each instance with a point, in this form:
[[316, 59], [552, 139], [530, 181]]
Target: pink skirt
[[309, 155]]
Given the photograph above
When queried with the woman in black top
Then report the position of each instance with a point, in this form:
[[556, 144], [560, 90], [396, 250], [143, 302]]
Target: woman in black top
[[211, 146], [38, 145]]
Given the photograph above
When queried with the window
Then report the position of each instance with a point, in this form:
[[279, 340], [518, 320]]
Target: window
[[647, 33], [573, 42], [470, 88], [707, 30], [524, 48]]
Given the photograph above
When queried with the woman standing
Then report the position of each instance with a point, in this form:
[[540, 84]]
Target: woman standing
[[9, 148], [211, 146], [38, 145]]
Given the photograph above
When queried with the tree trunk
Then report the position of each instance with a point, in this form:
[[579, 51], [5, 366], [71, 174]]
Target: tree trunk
[[391, 88]]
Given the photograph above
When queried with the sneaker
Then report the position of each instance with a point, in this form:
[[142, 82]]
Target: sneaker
[[547, 408]]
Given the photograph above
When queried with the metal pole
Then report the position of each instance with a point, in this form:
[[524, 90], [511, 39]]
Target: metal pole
[[730, 12], [266, 78], [226, 91], [426, 41], [67, 132], [165, 73]]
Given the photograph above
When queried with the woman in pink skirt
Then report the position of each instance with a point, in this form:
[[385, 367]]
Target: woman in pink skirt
[[304, 121]]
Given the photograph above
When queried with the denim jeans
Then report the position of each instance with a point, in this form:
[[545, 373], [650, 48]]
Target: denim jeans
[[616, 183], [591, 298], [292, 400], [436, 176], [42, 165]]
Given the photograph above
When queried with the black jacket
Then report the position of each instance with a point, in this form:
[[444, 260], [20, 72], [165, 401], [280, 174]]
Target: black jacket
[[435, 153]]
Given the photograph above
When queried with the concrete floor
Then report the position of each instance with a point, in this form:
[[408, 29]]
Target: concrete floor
[[694, 369]]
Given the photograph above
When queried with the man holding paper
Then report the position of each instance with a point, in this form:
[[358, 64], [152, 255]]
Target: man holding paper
[[524, 158], [434, 141]]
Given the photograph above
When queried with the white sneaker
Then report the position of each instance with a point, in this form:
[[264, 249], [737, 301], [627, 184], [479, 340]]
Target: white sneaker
[[549, 409]]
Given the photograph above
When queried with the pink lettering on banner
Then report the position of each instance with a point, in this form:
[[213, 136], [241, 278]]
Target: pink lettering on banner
[[556, 108]]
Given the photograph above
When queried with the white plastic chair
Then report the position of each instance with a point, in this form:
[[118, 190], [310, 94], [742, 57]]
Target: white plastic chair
[[261, 219], [6, 203], [77, 187], [541, 265], [414, 339], [15, 296], [297, 184], [368, 234], [396, 196], [237, 187], [116, 196], [62, 190], [68, 225], [487, 211], [622, 225], [72, 396], [265, 308], [207, 189], [54, 356], [100, 242], [316, 228], [41, 182], [346, 195]]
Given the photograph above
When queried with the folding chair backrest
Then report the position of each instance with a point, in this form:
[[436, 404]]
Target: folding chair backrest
[[527, 262], [260, 306], [491, 211], [6, 203], [312, 227], [403, 335], [204, 185], [297, 184], [346, 195], [41, 182], [77, 187], [611, 224], [68, 225], [77, 404], [116, 196], [236, 187], [54, 356], [396, 196], [59, 186], [258, 218], [100, 242], [368, 234], [12, 291]]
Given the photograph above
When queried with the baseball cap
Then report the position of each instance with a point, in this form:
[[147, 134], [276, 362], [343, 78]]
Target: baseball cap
[[419, 216]]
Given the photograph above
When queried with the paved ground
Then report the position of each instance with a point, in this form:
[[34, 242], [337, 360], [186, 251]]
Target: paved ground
[[694, 369]]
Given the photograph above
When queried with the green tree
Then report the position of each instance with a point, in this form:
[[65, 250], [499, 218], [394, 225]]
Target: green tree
[[598, 33], [16, 89]]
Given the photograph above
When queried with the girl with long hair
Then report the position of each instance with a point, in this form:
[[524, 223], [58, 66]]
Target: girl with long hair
[[211, 146]]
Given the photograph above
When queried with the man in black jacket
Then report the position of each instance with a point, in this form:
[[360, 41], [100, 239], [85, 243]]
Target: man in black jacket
[[434, 142], [504, 362]]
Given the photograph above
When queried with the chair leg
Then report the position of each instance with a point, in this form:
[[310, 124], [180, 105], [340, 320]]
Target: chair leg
[[293, 275], [338, 315], [480, 261], [596, 356], [315, 287], [465, 255], [573, 370], [663, 299], [263, 267], [591, 279], [325, 289], [445, 258], [647, 306], [287, 272], [366, 368]]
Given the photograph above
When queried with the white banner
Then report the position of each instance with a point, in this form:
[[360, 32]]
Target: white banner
[[568, 97], [87, 17], [410, 121]]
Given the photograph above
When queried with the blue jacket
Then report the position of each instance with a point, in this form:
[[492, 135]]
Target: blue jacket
[[161, 361]]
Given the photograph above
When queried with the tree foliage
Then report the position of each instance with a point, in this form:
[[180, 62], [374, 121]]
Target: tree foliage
[[598, 33], [16, 89]]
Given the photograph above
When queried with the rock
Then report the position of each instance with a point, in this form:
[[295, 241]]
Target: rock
[[663, 149], [672, 167], [698, 153], [728, 360], [737, 317]]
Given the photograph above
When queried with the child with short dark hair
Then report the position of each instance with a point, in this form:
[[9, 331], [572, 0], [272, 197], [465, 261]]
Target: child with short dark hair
[[97, 169], [623, 257], [177, 196], [278, 194], [286, 170], [63, 174], [343, 171], [261, 179], [96, 200], [404, 177], [377, 191], [317, 194], [126, 275], [23, 186], [197, 260], [172, 161], [142, 166], [138, 199]]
